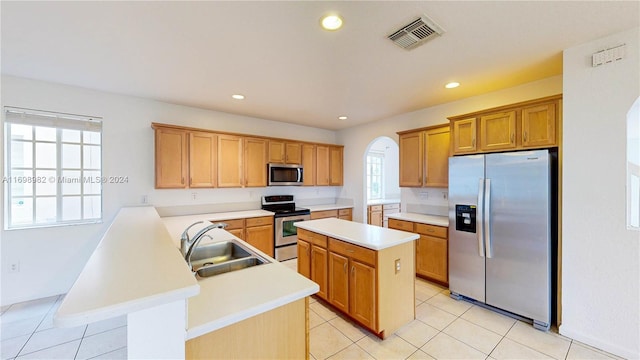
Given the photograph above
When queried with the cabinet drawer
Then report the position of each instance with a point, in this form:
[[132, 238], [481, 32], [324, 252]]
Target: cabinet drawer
[[259, 221], [390, 207], [431, 230], [343, 212], [375, 207], [233, 224], [324, 214], [355, 252], [314, 238], [400, 225]]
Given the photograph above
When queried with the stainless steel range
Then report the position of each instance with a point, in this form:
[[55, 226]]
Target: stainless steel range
[[285, 233]]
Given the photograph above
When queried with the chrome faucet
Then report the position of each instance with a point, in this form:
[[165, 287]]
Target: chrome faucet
[[184, 238], [199, 236]]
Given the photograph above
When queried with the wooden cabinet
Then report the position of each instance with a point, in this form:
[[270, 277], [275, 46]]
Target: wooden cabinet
[[329, 164], [345, 214], [526, 125], [335, 166], [285, 152], [374, 215], [258, 232], [317, 263], [424, 157], [304, 258], [308, 161], [362, 293], [339, 281], [432, 257], [202, 159], [171, 158], [230, 161], [322, 165], [255, 162]]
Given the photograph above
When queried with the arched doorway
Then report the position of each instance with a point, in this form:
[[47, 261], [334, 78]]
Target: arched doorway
[[380, 175]]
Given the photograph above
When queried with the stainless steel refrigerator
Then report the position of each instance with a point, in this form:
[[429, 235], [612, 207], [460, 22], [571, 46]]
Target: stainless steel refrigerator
[[500, 226]]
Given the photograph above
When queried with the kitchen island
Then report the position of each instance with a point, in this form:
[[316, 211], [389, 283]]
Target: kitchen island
[[137, 270], [364, 271]]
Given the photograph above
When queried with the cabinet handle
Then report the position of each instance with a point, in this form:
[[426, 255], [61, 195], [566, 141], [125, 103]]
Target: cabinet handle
[[190, 181], [349, 251], [473, 142], [353, 270], [525, 136], [430, 230], [512, 137], [182, 180], [345, 267]]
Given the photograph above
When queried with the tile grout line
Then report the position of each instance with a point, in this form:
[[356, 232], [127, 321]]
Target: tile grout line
[[34, 330], [80, 345]]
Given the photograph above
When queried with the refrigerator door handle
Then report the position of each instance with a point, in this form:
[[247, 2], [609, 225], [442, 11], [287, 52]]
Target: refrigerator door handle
[[480, 216], [486, 217]]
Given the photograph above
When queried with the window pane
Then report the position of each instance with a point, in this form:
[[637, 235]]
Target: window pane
[[45, 133], [91, 157], [20, 186], [21, 154], [21, 211], [91, 137], [46, 155], [46, 210], [21, 132], [91, 182], [71, 184], [71, 208], [46, 182], [71, 136], [70, 156], [92, 209]]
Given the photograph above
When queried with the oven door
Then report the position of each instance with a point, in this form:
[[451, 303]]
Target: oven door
[[285, 232]]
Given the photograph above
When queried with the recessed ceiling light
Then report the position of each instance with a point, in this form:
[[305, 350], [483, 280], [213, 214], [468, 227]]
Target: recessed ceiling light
[[238, 96], [342, 118], [452, 85], [331, 22]]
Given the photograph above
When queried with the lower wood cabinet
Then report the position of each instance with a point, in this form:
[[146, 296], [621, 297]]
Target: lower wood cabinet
[[374, 215], [345, 214], [360, 282], [432, 256], [258, 232]]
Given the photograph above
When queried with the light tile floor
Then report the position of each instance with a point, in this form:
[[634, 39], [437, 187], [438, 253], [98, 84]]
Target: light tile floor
[[443, 329]]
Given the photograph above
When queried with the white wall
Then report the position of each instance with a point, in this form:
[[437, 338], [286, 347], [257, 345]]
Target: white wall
[[51, 258], [601, 280], [357, 138]]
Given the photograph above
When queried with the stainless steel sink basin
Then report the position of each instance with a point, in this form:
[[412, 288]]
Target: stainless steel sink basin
[[221, 257], [227, 266]]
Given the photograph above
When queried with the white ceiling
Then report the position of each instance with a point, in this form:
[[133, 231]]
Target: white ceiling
[[200, 53]]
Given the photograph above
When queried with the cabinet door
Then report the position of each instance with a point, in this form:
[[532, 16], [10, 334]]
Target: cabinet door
[[230, 167], [411, 159], [539, 126], [202, 159], [464, 136], [276, 151], [171, 158], [345, 214], [437, 145], [362, 293], [293, 153], [255, 162], [339, 281], [498, 131], [431, 258], [375, 215], [239, 233], [319, 269], [261, 237], [308, 161], [322, 165], [335, 166], [304, 258]]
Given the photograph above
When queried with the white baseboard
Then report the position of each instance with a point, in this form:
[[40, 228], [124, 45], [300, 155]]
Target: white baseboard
[[599, 343]]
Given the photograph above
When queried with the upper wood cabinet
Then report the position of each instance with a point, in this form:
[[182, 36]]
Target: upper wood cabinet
[[308, 161], [526, 125], [171, 158], [424, 157], [285, 152], [322, 165], [203, 148], [255, 162], [335, 166], [230, 161]]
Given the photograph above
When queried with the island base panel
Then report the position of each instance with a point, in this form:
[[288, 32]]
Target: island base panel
[[281, 333]]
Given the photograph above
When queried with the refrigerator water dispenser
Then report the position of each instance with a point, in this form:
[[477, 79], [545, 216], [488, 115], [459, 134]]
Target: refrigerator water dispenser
[[466, 218]]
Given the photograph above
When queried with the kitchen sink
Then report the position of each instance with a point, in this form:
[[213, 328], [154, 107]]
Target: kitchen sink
[[221, 257]]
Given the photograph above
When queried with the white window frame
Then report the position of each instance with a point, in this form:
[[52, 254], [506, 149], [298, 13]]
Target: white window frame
[[380, 157], [59, 122]]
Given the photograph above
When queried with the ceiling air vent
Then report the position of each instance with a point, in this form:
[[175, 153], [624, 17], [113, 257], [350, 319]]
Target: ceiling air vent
[[416, 33]]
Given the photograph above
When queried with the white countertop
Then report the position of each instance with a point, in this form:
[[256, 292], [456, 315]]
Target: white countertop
[[383, 201], [422, 218], [365, 235], [176, 224], [327, 207], [134, 267]]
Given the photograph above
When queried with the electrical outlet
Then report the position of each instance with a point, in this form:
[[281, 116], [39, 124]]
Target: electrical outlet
[[14, 267], [144, 199], [444, 195], [397, 265], [194, 196]]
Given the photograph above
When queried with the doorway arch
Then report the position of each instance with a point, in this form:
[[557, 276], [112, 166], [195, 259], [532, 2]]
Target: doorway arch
[[389, 150]]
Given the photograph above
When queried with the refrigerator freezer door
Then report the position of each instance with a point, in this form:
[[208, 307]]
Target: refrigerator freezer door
[[519, 269], [466, 255]]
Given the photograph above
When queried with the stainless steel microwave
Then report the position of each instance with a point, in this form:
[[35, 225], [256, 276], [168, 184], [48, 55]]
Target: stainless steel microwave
[[285, 174]]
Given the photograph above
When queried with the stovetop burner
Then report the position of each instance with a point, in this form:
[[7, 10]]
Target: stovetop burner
[[282, 205]]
